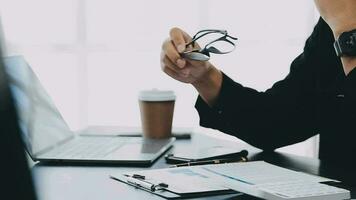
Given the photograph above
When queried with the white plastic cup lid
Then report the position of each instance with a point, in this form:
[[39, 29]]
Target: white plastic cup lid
[[156, 95]]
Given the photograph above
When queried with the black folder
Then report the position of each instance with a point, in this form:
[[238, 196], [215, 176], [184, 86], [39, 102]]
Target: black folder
[[208, 153]]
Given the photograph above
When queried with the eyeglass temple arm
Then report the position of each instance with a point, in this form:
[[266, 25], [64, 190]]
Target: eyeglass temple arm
[[212, 30], [207, 31], [206, 50], [234, 38]]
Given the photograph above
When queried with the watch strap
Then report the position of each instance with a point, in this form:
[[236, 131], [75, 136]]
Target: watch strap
[[338, 48]]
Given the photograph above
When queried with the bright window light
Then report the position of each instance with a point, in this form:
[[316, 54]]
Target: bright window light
[[94, 56]]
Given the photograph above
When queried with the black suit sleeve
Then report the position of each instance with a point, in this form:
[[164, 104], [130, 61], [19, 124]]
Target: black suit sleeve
[[282, 115], [348, 116], [350, 87]]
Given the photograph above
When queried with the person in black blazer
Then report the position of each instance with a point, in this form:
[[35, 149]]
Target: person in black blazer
[[317, 97]]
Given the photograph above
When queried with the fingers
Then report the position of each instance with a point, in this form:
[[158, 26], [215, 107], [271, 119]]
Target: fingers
[[167, 63], [177, 76], [177, 37], [171, 52], [184, 73], [171, 72], [187, 37], [176, 45]]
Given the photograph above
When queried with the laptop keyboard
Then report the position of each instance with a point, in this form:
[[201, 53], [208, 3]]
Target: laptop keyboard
[[87, 148]]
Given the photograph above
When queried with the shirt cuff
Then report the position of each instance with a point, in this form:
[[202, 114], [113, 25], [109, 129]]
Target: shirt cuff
[[207, 115], [212, 116]]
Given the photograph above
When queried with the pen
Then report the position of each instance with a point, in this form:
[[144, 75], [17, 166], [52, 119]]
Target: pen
[[206, 162], [177, 136], [141, 183]]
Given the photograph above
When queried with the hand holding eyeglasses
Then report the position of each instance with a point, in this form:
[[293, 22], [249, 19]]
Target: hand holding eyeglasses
[[184, 60]]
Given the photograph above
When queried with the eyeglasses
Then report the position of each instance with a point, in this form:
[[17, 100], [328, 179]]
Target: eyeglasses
[[214, 41]]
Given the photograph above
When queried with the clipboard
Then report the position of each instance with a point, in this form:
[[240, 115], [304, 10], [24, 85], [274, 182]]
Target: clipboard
[[164, 190], [257, 178]]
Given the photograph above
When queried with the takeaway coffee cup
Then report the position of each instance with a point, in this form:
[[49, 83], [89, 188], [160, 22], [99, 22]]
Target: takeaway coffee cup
[[156, 108]]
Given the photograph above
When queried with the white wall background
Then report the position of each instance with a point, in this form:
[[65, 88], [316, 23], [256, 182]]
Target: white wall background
[[93, 56]]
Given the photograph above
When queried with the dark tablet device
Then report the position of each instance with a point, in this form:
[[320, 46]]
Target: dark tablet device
[[209, 153]]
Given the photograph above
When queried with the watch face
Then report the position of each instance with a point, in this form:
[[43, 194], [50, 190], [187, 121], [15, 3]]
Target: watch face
[[347, 43]]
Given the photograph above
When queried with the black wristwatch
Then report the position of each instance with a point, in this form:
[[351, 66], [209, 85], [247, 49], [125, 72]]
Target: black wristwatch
[[345, 45]]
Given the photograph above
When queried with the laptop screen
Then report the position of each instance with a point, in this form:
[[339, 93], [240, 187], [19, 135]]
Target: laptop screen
[[41, 124]]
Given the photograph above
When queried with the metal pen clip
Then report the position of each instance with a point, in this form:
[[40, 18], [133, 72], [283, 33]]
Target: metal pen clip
[[140, 182]]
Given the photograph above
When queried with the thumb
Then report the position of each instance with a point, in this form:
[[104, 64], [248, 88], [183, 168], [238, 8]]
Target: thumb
[[177, 37]]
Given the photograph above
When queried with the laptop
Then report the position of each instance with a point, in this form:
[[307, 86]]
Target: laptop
[[47, 136]]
